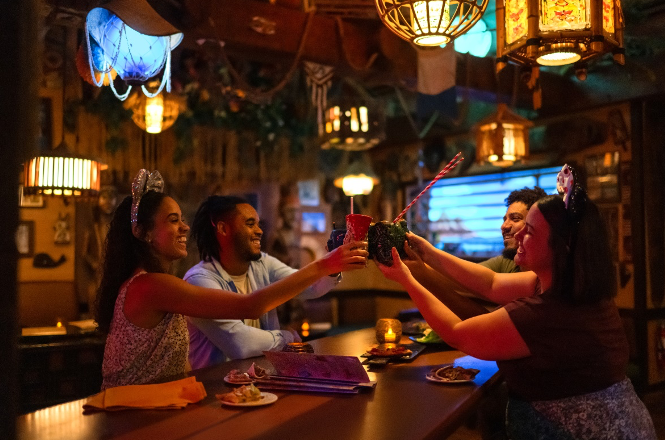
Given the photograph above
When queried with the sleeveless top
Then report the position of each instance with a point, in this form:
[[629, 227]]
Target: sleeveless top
[[135, 355]]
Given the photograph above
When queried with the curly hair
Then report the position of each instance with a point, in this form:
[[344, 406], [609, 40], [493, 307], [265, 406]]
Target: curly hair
[[526, 195], [124, 253], [582, 266], [203, 229]]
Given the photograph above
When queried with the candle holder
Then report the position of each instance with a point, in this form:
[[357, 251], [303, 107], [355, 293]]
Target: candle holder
[[388, 331]]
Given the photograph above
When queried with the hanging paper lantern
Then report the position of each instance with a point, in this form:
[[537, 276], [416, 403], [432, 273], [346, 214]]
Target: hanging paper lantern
[[155, 114], [134, 40], [558, 32], [502, 138], [352, 124]]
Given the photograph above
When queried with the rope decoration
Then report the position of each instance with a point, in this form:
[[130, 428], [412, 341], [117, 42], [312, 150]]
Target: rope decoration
[[319, 79], [254, 93]]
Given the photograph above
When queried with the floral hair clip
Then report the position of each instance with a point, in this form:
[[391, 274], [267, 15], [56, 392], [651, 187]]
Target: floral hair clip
[[574, 196], [143, 182]]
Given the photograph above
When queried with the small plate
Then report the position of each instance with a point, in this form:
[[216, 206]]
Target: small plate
[[439, 380], [244, 382], [266, 399]]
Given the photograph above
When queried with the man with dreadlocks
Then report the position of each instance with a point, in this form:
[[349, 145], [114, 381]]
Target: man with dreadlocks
[[227, 234]]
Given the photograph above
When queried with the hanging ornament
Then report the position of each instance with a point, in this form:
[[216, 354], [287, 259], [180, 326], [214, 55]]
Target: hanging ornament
[[319, 78]]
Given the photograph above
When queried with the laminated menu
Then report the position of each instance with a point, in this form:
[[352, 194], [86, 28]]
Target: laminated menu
[[317, 373]]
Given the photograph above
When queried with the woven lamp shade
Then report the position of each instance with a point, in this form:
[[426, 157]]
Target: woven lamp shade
[[430, 22]]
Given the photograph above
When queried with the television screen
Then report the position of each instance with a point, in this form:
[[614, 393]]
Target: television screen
[[313, 222], [464, 214]]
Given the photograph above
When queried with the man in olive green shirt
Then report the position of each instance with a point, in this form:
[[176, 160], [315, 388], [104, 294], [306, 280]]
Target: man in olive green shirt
[[466, 304]]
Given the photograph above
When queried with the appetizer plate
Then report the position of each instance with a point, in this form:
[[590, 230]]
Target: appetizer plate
[[266, 399], [440, 380], [236, 382]]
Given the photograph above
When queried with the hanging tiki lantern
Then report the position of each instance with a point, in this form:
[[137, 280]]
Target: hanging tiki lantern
[[558, 32], [502, 138]]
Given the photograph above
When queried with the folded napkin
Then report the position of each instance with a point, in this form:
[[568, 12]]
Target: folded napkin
[[169, 395]]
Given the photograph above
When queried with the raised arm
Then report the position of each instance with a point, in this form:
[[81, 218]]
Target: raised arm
[[155, 293], [496, 287], [445, 290], [491, 336]]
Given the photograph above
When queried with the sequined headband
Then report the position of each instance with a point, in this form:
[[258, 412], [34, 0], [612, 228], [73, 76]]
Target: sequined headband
[[143, 182], [574, 196]]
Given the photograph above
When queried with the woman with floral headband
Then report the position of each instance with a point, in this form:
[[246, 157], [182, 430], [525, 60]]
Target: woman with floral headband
[[141, 306], [558, 341]]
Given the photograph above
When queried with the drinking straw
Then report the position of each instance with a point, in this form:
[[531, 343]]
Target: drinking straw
[[351, 204], [452, 164]]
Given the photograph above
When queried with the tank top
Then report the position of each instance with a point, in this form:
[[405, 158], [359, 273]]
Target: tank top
[[134, 355]]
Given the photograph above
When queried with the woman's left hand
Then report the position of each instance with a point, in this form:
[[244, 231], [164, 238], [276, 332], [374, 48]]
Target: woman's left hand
[[398, 271]]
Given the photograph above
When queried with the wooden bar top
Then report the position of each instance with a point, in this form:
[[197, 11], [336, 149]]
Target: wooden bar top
[[404, 405]]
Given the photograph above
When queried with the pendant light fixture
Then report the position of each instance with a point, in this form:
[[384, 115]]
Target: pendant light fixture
[[558, 32], [430, 22], [58, 171], [358, 178], [155, 114], [502, 138], [130, 37]]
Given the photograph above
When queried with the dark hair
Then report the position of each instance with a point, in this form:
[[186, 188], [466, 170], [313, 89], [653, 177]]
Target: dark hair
[[582, 266], [124, 253], [526, 195], [203, 229]]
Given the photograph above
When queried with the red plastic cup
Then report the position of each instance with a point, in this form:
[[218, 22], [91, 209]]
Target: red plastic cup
[[357, 226]]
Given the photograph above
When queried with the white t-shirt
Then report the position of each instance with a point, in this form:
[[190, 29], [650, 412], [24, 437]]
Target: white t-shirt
[[243, 287]]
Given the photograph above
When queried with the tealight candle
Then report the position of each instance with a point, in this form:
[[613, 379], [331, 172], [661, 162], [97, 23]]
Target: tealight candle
[[388, 331], [390, 335]]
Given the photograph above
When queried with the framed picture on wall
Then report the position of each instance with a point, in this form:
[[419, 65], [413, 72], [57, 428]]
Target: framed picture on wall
[[29, 201], [25, 238]]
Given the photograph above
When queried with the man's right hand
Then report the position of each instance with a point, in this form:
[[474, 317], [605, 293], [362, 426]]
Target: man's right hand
[[350, 256]]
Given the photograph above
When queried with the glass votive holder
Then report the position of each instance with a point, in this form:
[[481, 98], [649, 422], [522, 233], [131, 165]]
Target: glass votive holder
[[388, 331]]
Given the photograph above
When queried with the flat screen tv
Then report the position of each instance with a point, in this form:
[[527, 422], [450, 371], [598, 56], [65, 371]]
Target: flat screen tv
[[463, 215]]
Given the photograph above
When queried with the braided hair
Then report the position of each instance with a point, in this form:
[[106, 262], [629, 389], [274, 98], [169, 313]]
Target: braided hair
[[204, 230]]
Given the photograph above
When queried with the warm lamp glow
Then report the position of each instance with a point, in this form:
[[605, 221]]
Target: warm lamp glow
[[62, 175], [154, 111], [429, 17], [358, 178], [155, 114], [356, 185], [349, 127], [430, 22]]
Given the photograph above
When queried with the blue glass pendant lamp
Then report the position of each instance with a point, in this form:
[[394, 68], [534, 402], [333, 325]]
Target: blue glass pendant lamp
[[130, 37]]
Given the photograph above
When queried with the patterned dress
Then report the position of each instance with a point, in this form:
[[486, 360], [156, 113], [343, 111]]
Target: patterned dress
[[135, 355]]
